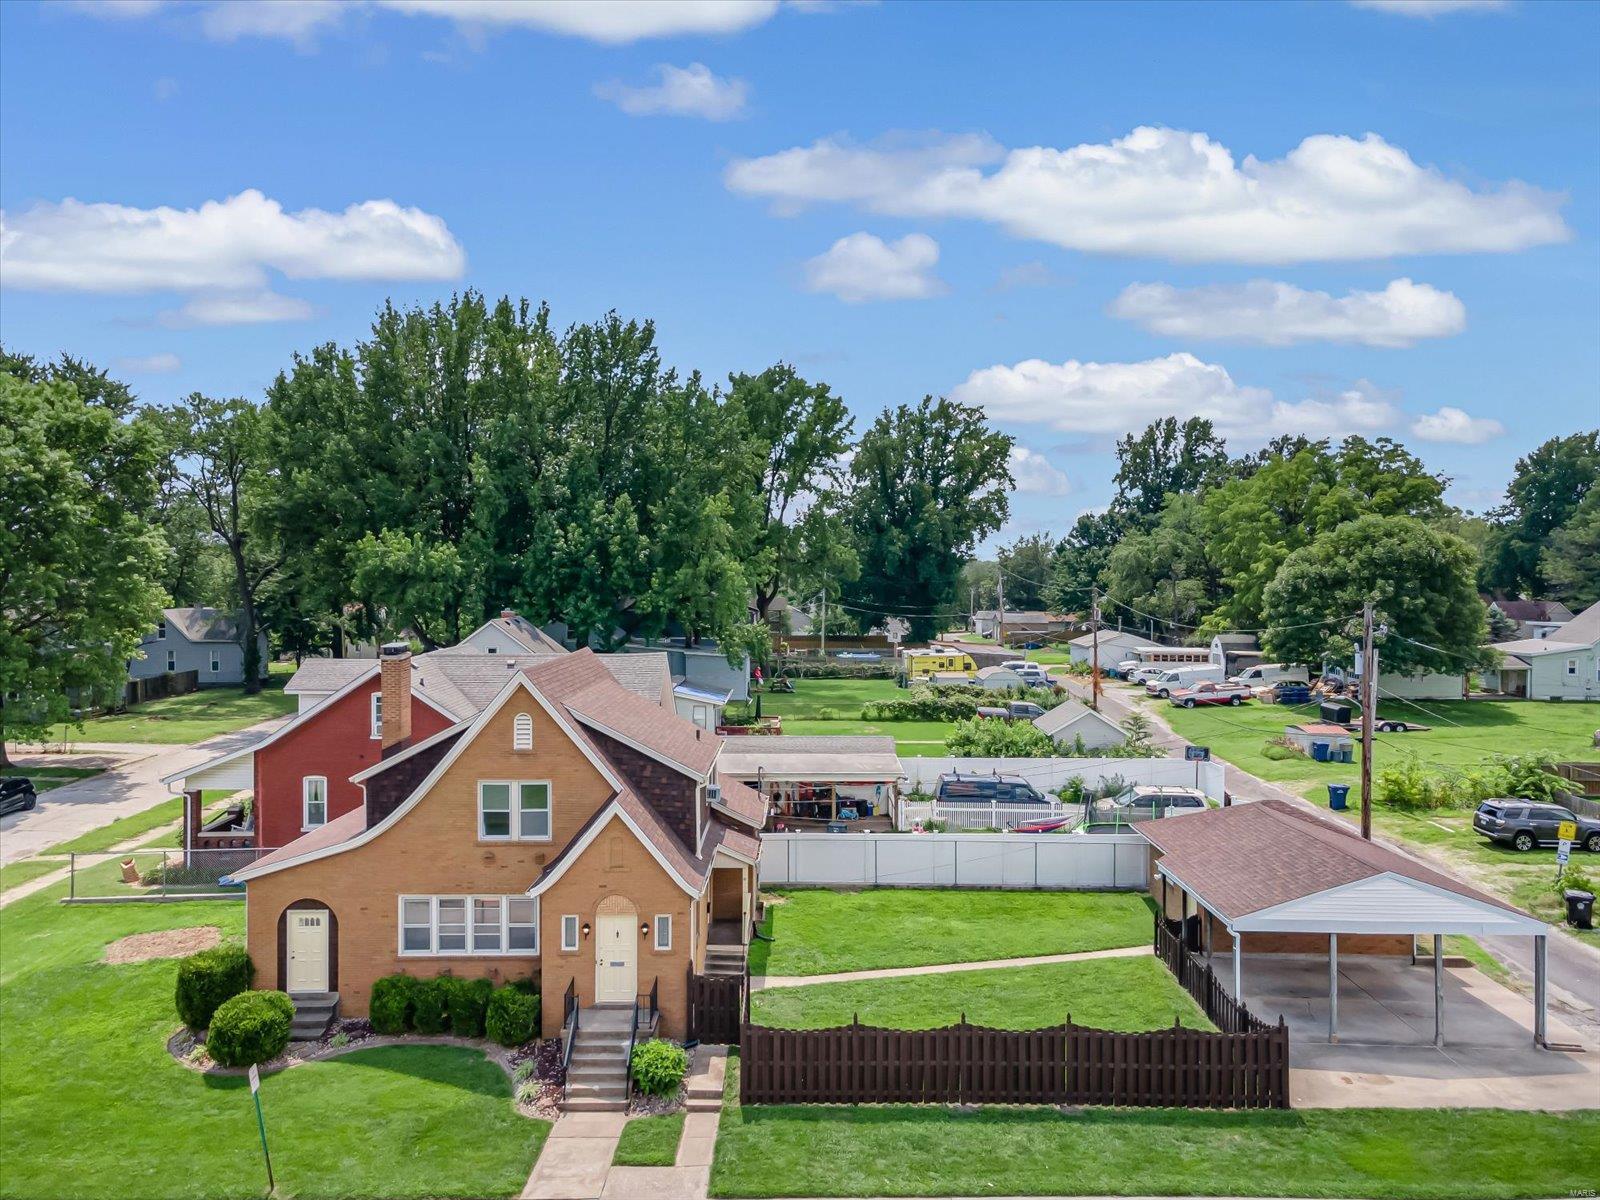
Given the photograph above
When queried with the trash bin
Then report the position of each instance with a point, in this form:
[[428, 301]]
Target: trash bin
[[1319, 751], [1337, 792], [1580, 908]]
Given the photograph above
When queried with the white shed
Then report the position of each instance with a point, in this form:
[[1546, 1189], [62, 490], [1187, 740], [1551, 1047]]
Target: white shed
[[1115, 645], [1073, 719], [999, 679]]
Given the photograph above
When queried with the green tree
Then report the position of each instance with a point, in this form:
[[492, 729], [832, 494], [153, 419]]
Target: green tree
[[931, 481], [1545, 491], [1167, 572], [1081, 560], [977, 585], [1028, 563], [1168, 458], [1421, 581], [1570, 562], [79, 558]]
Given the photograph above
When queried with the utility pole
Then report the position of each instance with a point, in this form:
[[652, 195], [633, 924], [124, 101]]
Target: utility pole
[[824, 620], [1369, 700], [1000, 588], [1094, 625]]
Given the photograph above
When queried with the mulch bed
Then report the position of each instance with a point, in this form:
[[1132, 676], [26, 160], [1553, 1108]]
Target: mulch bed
[[164, 943]]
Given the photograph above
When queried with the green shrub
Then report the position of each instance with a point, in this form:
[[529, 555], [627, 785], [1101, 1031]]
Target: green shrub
[[430, 1005], [252, 1027], [924, 704], [659, 1067], [979, 738], [512, 1017], [207, 979], [390, 1006], [468, 1002], [1577, 879]]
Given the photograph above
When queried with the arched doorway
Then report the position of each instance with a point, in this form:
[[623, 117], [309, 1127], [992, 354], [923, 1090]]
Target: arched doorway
[[616, 951], [308, 948]]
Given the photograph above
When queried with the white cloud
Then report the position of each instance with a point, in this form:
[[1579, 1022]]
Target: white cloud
[[1430, 8], [1036, 475], [691, 91], [147, 364], [237, 308], [1167, 193], [1450, 424], [1280, 314], [614, 22], [297, 21], [118, 10], [862, 267], [224, 245], [1098, 400]]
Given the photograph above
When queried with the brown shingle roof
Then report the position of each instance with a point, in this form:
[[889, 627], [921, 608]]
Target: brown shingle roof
[[743, 801], [1250, 857]]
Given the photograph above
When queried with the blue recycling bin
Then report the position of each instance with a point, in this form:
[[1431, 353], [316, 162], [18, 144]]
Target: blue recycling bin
[[1337, 792], [1319, 751]]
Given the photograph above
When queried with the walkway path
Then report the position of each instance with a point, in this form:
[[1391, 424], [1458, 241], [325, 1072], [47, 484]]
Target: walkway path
[[38, 884], [576, 1161], [760, 982]]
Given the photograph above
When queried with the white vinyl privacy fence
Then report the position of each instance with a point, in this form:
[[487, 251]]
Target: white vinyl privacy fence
[[1053, 774], [956, 860]]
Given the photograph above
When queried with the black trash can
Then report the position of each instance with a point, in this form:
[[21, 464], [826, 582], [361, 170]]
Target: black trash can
[[1580, 908]]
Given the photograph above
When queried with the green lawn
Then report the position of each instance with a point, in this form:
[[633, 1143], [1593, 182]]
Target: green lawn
[[1128, 994], [94, 1107], [1385, 1154], [177, 720], [25, 869], [833, 706], [817, 932], [45, 778], [650, 1141]]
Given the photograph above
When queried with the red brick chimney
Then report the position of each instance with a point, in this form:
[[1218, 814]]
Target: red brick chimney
[[395, 686], [507, 613]]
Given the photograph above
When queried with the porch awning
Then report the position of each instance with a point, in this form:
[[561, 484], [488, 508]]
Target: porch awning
[[802, 759]]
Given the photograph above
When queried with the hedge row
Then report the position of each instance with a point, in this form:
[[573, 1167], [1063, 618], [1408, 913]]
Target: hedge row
[[464, 1007]]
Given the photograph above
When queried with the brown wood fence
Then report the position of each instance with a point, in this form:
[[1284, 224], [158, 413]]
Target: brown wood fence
[[717, 1007], [971, 1064], [1201, 982], [1585, 781], [157, 687]]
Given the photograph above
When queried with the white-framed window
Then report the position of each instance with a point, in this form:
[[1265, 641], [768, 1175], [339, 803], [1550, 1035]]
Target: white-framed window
[[663, 931], [569, 932], [522, 732], [1572, 666], [161, 631], [377, 715], [313, 801], [216, 661], [512, 810], [172, 660], [469, 925]]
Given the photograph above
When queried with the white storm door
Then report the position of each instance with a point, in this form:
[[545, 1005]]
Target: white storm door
[[307, 950], [616, 960]]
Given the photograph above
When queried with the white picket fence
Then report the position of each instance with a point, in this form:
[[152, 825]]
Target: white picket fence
[[1070, 862], [1052, 774], [978, 814]]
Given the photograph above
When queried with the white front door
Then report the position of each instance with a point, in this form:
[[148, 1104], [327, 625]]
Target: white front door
[[616, 960], [308, 950]]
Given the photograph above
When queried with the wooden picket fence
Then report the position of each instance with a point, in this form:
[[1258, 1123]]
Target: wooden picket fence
[[972, 1064], [1200, 981], [717, 1007]]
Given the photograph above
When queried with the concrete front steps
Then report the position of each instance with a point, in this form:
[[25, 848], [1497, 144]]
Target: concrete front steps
[[597, 1077], [703, 1089], [725, 959], [313, 1013]]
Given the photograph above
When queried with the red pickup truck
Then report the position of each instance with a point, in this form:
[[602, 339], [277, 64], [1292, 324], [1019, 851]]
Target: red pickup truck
[[1211, 693]]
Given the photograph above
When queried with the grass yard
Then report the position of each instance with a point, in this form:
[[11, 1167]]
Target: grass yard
[[1127, 994], [650, 1141], [178, 720], [817, 932], [90, 1095], [833, 706], [1388, 1154], [46, 778], [25, 869]]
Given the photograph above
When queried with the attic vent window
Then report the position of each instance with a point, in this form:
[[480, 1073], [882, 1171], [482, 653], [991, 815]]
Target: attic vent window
[[522, 732]]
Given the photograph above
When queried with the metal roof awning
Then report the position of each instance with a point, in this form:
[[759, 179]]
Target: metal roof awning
[[813, 768]]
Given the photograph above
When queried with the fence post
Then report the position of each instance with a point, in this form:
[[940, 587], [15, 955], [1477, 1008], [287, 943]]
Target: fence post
[[72, 875]]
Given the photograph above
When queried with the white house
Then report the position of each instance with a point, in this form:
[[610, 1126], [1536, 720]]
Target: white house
[[509, 633], [1562, 666], [1073, 719], [1115, 645]]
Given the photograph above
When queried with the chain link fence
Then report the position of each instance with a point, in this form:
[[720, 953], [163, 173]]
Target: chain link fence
[[133, 875]]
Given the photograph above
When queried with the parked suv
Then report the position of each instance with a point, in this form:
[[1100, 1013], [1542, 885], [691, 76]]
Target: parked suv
[[1525, 824], [1014, 710], [980, 789]]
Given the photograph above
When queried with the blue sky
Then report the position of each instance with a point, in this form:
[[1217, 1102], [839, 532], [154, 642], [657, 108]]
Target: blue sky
[[900, 199]]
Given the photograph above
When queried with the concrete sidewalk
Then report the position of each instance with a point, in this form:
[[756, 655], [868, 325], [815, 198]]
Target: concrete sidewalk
[[759, 982]]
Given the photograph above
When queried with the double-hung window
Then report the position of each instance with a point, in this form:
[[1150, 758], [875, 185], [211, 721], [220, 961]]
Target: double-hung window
[[172, 660], [313, 802], [161, 631], [377, 714], [469, 926], [216, 662], [512, 810]]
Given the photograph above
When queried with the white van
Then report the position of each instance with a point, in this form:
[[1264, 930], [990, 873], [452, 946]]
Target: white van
[[1266, 674], [1164, 684], [1032, 673]]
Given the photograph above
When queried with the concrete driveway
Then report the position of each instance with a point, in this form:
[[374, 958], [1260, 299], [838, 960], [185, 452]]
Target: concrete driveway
[[129, 785], [1385, 1056]]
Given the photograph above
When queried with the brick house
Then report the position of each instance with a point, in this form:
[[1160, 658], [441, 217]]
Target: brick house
[[571, 830]]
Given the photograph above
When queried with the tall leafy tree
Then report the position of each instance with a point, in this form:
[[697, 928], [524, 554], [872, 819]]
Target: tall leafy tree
[[1168, 458], [1081, 560], [1027, 563], [79, 558], [1571, 561], [795, 436], [931, 481], [1421, 581], [1545, 491], [1166, 574]]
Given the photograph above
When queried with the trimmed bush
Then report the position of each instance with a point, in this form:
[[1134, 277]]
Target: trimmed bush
[[659, 1066], [252, 1027], [468, 1002], [390, 1006], [208, 978], [512, 1017], [430, 1005]]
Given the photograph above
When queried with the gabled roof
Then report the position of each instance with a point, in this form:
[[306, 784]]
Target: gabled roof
[[1252, 859], [1068, 713], [646, 674], [585, 688], [741, 802], [1534, 610], [1583, 628], [202, 624], [1107, 635]]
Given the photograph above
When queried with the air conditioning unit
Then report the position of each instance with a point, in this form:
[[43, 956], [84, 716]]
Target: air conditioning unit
[[714, 793]]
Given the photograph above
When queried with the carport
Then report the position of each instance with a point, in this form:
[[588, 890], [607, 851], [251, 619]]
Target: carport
[[810, 781], [1272, 878]]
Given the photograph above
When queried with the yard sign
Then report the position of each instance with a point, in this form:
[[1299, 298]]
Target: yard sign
[[261, 1124]]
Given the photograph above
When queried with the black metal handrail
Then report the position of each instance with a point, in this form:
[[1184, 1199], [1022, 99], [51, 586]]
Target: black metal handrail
[[633, 1033], [655, 1000], [569, 1033]]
